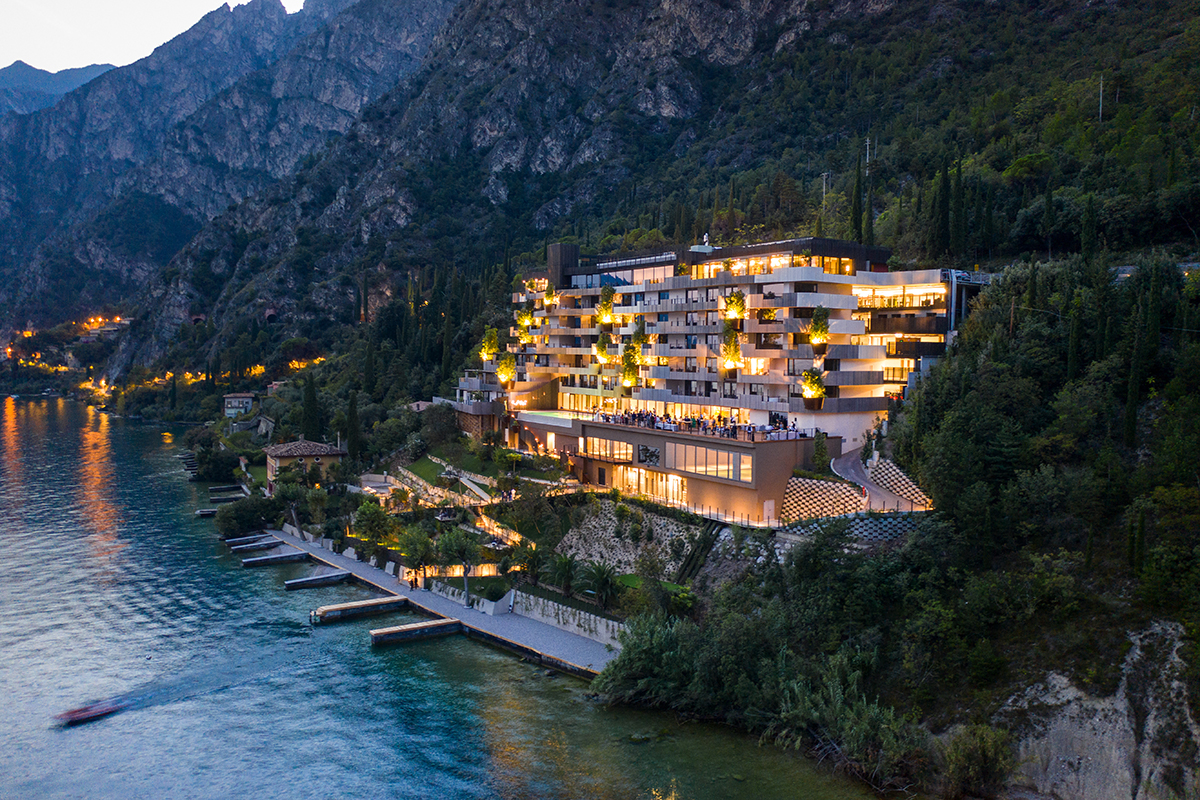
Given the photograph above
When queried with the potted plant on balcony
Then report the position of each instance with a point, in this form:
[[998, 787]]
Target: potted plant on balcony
[[731, 349], [813, 387], [490, 345], [818, 330], [630, 357], [600, 349], [506, 370], [735, 305], [604, 311]]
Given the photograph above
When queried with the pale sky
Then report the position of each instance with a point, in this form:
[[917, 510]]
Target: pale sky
[[58, 34]]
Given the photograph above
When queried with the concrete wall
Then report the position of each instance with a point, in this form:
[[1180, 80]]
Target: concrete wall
[[565, 618]]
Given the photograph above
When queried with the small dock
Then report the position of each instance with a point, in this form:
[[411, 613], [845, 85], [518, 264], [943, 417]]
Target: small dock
[[225, 498], [415, 631], [233, 487], [206, 512], [265, 544], [290, 557], [258, 537], [360, 608], [324, 579]]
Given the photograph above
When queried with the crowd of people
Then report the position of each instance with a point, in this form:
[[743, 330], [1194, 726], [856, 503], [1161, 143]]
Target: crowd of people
[[719, 425]]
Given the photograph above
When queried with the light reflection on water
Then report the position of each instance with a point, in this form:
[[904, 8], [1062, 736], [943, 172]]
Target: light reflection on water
[[108, 585]]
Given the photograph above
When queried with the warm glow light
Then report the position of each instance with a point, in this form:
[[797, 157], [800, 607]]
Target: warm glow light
[[627, 382], [730, 314], [606, 318], [730, 364]]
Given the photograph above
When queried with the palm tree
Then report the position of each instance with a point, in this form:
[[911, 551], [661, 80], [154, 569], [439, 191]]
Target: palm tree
[[561, 571], [601, 579], [531, 560], [458, 547]]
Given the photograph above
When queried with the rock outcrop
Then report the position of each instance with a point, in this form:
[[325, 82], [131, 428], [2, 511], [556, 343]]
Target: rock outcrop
[[1142, 743]]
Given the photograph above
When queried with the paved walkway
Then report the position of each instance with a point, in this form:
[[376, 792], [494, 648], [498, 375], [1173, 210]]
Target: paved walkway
[[584, 654], [851, 468]]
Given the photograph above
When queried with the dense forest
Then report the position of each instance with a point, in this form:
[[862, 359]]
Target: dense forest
[[1056, 439]]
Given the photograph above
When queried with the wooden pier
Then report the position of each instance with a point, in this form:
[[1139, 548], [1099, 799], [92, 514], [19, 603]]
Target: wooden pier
[[290, 557], [233, 487], [324, 579], [206, 512], [416, 630], [360, 608], [226, 498]]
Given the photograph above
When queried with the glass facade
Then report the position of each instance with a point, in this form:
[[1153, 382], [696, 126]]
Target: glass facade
[[702, 460]]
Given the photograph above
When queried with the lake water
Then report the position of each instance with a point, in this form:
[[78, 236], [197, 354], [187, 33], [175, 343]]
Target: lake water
[[109, 585]]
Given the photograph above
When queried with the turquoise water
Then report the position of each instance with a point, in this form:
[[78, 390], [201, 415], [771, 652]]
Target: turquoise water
[[109, 585]]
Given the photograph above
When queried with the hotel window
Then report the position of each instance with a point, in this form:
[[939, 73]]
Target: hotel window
[[664, 297], [710, 364], [713, 341], [693, 318], [690, 342], [713, 318], [663, 316], [609, 449], [689, 364]]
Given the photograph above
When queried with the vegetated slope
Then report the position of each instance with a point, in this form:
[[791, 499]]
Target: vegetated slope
[[643, 125], [58, 166], [25, 89], [1054, 439]]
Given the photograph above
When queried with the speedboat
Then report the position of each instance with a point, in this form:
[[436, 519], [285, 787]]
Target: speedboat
[[91, 711]]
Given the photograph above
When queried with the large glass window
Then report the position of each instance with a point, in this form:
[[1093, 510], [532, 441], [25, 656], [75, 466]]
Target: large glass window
[[709, 461]]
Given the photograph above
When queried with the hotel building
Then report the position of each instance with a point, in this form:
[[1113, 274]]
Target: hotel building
[[692, 377]]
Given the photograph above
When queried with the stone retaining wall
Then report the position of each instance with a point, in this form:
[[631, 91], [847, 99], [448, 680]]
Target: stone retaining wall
[[571, 620]]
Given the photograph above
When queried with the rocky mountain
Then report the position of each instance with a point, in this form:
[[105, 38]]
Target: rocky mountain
[[113, 200], [25, 89]]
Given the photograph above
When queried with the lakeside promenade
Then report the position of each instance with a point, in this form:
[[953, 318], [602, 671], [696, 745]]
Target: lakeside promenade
[[585, 656]]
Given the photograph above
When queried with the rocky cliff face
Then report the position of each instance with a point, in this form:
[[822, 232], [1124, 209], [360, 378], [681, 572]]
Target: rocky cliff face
[[210, 117], [1141, 743], [25, 89], [516, 100]]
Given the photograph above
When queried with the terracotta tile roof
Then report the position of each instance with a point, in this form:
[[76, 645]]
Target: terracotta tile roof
[[302, 447]]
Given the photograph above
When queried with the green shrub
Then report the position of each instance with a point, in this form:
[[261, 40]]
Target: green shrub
[[978, 760]]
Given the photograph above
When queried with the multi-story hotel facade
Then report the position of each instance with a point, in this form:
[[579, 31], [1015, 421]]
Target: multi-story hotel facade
[[699, 378]]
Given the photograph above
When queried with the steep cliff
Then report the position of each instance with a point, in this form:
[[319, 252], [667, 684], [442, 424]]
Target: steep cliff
[[523, 113], [223, 110]]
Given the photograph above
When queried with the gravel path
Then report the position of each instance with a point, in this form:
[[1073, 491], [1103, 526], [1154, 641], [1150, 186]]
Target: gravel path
[[569, 647]]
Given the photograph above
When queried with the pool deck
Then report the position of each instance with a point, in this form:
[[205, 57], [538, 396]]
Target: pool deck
[[528, 637]]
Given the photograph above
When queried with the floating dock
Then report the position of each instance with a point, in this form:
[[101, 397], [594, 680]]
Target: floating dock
[[324, 579], [206, 512], [416, 630], [266, 544], [258, 537], [226, 498], [360, 608], [233, 487], [291, 557]]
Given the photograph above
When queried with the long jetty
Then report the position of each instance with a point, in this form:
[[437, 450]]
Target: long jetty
[[533, 640]]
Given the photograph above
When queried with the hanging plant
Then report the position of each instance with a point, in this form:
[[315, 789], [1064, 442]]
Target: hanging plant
[[551, 295]]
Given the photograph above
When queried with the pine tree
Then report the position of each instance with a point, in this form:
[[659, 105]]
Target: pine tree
[[856, 209], [1075, 323]]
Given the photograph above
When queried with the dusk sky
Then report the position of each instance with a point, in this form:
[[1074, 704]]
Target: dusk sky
[[59, 34]]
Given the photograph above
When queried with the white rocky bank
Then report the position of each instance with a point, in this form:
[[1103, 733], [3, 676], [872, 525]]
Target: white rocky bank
[[1142, 743]]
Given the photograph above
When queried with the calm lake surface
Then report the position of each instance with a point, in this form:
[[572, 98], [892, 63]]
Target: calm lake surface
[[109, 585]]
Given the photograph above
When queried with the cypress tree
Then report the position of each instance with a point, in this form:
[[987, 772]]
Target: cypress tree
[[856, 209], [1134, 387], [369, 370], [869, 219], [941, 213], [1075, 324], [174, 394], [1048, 219], [989, 220], [958, 232], [1087, 233], [310, 419], [353, 429]]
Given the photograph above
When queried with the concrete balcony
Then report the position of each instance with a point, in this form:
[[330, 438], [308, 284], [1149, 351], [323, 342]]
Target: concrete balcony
[[842, 405], [854, 378]]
